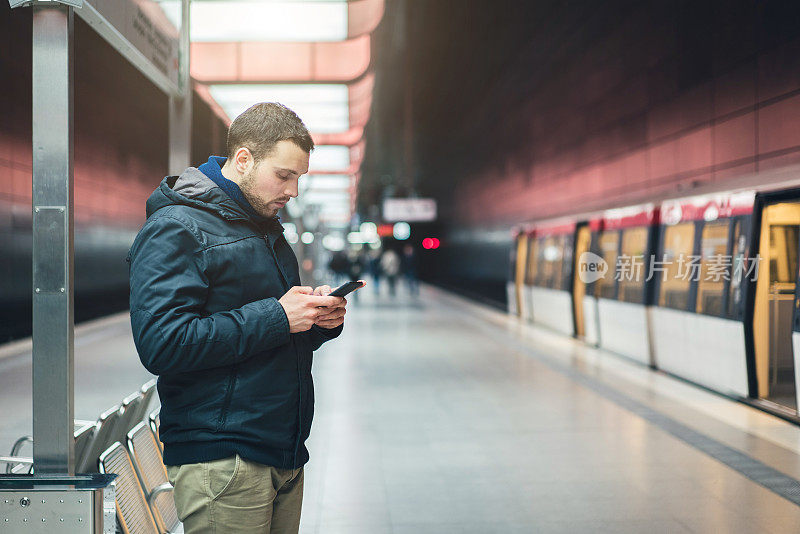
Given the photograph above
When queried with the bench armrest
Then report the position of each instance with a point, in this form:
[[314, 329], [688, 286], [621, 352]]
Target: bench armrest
[[158, 490]]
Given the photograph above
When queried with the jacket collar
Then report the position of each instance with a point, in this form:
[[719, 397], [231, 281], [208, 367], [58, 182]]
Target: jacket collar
[[193, 188], [213, 170]]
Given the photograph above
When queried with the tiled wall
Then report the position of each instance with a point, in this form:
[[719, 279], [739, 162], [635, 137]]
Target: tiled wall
[[121, 127]]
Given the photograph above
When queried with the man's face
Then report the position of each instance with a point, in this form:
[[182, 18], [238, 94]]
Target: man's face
[[273, 181]]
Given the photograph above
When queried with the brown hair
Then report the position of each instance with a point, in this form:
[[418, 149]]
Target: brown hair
[[262, 126]]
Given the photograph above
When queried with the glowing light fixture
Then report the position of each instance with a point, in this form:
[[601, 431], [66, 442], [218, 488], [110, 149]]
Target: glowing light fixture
[[330, 158], [324, 108], [334, 243], [401, 231], [325, 182], [368, 229], [237, 20]]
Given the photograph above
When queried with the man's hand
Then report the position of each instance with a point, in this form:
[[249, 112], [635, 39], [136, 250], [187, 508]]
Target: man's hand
[[332, 316], [303, 308]]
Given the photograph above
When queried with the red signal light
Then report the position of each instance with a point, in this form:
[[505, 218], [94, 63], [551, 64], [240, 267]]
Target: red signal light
[[430, 243], [385, 230]]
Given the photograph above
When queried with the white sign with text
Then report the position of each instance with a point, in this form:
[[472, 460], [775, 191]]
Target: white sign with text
[[409, 209]]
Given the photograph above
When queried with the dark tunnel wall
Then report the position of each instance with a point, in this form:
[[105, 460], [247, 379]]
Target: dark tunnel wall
[[580, 106], [669, 98], [209, 133], [121, 154]]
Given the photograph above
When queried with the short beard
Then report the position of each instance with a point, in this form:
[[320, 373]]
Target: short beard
[[262, 208]]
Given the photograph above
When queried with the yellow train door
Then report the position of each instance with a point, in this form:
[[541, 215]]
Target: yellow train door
[[774, 304], [583, 241], [519, 271]]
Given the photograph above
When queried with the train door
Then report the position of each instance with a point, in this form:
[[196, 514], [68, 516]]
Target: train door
[[796, 337], [774, 305], [519, 271], [583, 239], [530, 277]]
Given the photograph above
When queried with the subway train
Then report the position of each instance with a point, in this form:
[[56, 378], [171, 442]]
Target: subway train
[[703, 287]]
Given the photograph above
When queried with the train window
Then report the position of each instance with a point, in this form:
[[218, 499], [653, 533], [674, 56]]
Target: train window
[[593, 247], [677, 266], [609, 245], [630, 267], [736, 292], [533, 261], [783, 257], [715, 267], [512, 259], [552, 248], [568, 244]]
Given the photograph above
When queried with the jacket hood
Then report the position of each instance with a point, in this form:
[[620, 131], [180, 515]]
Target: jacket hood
[[193, 188]]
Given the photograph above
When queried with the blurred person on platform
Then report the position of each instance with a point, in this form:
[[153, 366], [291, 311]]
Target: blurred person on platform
[[355, 267], [390, 265], [374, 267], [339, 266], [409, 267], [219, 314]]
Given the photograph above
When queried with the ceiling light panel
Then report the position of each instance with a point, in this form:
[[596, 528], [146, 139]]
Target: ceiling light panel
[[324, 108], [242, 20], [327, 200], [330, 158], [326, 182]]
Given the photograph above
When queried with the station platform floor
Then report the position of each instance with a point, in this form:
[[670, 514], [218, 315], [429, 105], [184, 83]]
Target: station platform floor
[[439, 415]]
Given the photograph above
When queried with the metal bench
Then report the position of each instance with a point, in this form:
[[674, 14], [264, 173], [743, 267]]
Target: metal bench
[[114, 425], [15, 463], [149, 466], [133, 512], [155, 425], [131, 408], [103, 434], [148, 392]]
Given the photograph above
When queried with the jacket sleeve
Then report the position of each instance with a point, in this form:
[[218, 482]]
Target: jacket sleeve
[[318, 335], [169, 286]]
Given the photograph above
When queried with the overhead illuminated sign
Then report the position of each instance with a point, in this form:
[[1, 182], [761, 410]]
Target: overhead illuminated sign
[[409, 209]]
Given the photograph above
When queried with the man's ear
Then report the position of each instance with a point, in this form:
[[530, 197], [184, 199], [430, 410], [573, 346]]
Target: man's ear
[[243, 160]]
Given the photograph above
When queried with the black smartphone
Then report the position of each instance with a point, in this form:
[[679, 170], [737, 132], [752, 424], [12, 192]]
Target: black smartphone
[[347, 287]]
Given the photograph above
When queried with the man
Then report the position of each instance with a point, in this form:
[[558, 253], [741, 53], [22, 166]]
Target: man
[[218, 313]]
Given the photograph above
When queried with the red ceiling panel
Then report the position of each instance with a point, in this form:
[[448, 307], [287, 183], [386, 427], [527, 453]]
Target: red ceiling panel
[[341, 61], [348, 138], [363, 16]]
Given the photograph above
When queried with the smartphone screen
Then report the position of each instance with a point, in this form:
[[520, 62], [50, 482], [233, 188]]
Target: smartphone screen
[[347, 288]]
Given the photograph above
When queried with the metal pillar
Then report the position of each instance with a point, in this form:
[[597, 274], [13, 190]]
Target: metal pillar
[[53, 240], [409, 169], [180, 109]]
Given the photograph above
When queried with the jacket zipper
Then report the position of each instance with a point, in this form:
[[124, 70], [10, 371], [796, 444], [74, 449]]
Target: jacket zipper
[[220, 421], [297, 362]]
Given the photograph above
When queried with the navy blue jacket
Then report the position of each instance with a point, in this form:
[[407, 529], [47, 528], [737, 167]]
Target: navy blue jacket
[[205, 280]]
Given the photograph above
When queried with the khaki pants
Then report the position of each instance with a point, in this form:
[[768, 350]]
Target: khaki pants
[[234, 495]]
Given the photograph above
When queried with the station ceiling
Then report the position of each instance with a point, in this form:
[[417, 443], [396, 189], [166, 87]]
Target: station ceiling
[[313, 56], [449, 76]]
